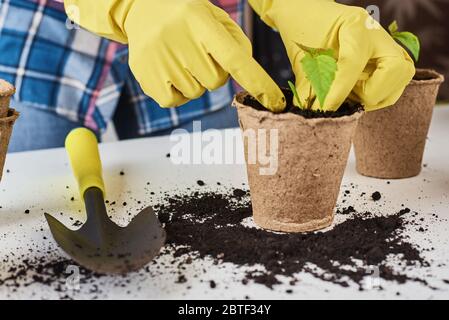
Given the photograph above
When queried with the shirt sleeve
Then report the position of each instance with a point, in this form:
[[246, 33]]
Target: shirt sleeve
[[103, 17]]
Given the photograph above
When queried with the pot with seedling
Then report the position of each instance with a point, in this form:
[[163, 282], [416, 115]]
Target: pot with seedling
[[390, 143], [312, 149]]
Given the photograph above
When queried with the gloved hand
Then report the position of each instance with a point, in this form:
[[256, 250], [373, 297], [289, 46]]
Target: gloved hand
[[372, 68], [179, 48]]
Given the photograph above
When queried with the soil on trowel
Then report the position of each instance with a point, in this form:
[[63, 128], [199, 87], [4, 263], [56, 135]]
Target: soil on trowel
[[346, 109]]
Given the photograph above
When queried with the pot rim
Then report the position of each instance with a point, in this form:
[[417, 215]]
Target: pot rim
[[12, 116], [6, 89], [290, 116], [436, 77]]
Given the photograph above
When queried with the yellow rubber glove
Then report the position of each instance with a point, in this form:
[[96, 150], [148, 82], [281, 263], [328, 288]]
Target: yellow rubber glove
[[179, 48], [372, 68]]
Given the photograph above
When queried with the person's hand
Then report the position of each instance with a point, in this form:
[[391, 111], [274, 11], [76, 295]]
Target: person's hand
[[179, 48], [372, 68]]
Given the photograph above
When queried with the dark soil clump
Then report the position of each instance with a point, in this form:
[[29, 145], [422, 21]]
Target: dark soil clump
[[347, 109], [376, 196], [201, 183], [239, 193], [210, 225], [347, 211]]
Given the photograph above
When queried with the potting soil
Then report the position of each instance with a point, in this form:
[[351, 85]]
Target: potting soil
[[216, 225], [210, 225], [346, 109]]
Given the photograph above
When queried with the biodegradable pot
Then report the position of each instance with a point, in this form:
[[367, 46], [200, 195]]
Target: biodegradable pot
[[312, 156], [390, 143], [6, 125], [7, 118], [6, 91]]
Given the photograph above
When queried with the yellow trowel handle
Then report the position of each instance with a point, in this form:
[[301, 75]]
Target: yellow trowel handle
[[82, 147]]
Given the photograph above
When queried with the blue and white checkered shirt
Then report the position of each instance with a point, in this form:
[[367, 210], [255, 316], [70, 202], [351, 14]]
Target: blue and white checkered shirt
[[64, 69]]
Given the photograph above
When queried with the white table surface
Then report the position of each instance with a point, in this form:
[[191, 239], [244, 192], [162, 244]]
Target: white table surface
[[37, 181]]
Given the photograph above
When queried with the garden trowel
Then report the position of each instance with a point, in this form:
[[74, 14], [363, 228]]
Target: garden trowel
[[100, 245]]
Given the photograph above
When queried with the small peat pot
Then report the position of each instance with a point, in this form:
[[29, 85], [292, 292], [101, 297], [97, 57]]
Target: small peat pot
[[390, 143], [6, 92], [6, 125], [7, 118], [310, 151]]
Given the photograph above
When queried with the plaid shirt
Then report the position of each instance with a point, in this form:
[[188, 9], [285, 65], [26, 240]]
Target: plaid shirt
[[81, 76]]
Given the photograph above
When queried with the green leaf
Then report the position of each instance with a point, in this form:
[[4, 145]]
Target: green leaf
[[393, 27], [320, 68], [295, 93], [407, 39], [410, 41]]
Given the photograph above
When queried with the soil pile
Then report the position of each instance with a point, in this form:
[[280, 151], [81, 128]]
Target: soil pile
[[210, 225], [215, 225]]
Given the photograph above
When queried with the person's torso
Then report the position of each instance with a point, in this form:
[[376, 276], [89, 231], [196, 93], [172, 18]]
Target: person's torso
[[58, 66]]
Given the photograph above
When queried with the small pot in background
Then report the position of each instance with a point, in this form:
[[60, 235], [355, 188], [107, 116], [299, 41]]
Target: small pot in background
[[390, 143], [7, 90], [7, 118]]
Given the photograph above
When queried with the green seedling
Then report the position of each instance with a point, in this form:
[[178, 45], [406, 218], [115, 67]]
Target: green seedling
[[296, 94], [407, 39], [320, 68]]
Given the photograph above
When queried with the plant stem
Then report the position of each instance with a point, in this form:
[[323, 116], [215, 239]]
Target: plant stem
[[295, 93], [309, 99]]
